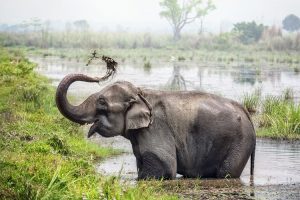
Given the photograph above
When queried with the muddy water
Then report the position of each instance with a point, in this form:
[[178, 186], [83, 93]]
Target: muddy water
[[277, 164]]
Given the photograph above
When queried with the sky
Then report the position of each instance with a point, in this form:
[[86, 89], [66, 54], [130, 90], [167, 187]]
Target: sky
[[143, 15]]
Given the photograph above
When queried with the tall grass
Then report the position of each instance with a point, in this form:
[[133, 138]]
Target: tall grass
[[251, 101], [280, 118], [124, 40], [274, 116]]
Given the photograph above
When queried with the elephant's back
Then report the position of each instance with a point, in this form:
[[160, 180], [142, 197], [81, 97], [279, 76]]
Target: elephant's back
[[208, 127]]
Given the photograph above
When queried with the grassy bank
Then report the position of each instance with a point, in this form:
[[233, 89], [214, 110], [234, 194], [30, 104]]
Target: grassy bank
[[43, 155], [141, 56], [276, 117]]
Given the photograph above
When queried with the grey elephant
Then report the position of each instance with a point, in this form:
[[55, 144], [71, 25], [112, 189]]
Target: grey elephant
[[194, 134]]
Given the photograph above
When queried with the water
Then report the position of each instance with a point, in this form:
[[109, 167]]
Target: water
[[232, 82], [277, 163]]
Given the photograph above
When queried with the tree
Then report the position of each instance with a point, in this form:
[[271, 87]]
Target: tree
[[249, 32], [291, 23], [180, 15]]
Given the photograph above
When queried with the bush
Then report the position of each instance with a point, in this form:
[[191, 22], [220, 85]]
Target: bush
[[250, 32], [251, 101], [280, 117]]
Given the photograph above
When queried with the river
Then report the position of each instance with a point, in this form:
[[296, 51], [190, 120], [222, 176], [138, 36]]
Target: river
[[277, 163]]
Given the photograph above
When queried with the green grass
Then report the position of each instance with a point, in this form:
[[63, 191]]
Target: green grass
[[251, 101], [278, 117], [43, 155]]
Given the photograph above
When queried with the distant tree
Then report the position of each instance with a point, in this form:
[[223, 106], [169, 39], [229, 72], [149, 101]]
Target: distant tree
[[184, 12], [291, 23], [81, 25], [249, 32]]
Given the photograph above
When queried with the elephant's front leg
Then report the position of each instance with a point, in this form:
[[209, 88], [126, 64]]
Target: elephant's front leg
[[157, 166]]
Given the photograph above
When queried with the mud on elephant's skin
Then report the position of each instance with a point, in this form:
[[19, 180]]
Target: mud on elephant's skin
[[195, 134]]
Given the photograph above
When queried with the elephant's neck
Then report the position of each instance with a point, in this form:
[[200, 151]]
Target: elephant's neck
[[152, 96]]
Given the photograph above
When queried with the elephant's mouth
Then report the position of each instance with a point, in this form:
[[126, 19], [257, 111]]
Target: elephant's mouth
[[93, 129]]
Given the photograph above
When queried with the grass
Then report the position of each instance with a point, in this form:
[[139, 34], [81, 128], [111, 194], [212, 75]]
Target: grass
[[90, 39], [251, 101], [43, 155], [278, 117]]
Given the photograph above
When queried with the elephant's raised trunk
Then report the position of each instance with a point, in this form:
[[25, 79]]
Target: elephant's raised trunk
[[83, 113]]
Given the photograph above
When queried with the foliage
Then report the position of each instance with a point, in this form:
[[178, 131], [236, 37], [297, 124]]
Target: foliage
[[180, 14], [291, 23], [250, 32], [271, 32], [278, 117], [275, 117], [43, 155], [281, 118], [251, 101], [112, 189], [271, 40]]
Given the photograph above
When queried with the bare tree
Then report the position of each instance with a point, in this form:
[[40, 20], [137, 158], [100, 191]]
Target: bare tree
[[180, 15]]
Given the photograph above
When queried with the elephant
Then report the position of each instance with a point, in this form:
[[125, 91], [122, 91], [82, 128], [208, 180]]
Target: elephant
[[192, 133]]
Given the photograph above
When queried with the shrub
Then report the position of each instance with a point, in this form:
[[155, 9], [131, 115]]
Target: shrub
[[251, 101]]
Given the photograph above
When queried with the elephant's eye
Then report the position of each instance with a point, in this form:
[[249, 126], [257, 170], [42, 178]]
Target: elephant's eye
[[101, 101], [101, 105]]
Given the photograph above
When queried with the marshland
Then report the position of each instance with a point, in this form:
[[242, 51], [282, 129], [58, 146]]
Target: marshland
[[45, 156]]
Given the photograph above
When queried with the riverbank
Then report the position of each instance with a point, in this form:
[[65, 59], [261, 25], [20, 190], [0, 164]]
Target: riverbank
[[43, 155], [148, 57]]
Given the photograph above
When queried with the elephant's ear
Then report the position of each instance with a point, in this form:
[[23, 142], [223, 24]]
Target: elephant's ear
[[139, 114]]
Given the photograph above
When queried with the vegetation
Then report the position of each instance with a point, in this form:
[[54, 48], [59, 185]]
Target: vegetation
[[278, 117], [291, 23], [271, 41], [251, 101], [249, 32], [43, 155], [180, 14]]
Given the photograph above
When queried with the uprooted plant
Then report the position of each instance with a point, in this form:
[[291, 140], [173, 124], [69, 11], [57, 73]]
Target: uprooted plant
[[111, 65]]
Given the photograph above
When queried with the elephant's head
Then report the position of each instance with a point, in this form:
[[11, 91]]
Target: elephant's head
[[113, 111]]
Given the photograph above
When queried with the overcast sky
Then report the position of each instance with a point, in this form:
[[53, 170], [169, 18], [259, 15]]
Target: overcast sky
[[143, 14]]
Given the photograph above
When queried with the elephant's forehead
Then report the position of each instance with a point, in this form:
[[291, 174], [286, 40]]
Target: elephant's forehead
[[115, 92]]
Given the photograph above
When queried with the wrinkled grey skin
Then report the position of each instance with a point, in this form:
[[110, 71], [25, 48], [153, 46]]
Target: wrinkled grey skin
[[195, 134]]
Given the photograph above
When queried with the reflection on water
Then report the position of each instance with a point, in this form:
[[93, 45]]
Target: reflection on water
[[232, 82], [275, 162], [176, 82]]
